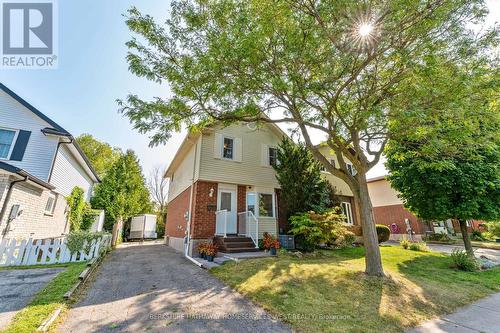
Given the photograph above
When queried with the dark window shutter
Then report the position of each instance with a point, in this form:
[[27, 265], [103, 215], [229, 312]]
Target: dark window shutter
[[20, 147]]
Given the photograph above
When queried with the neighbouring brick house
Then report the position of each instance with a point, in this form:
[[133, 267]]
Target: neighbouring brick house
[[223, 185], [388, 209], [40, 164]]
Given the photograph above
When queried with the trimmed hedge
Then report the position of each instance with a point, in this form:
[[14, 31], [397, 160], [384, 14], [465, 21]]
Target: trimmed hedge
[[383, 233]]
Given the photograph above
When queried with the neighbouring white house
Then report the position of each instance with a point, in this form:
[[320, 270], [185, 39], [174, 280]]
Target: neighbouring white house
[[223, 187], [40, 164]]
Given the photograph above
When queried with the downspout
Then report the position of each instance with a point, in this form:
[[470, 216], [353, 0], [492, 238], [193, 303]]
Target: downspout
[[188, 227], [6, 202]]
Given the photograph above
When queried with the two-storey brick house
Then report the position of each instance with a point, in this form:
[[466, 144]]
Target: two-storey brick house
[[223, 185]]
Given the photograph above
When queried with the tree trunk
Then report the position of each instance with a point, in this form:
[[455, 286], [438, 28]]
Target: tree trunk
[[117, 229], [373, 260], [465, 236]]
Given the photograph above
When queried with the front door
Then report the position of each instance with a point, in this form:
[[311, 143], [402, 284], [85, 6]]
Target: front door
[[227, 201]]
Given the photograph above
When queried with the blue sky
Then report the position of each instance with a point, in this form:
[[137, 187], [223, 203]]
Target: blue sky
[[81, 93]]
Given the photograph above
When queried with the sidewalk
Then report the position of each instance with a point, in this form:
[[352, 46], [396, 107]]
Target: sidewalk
[[481, 316]]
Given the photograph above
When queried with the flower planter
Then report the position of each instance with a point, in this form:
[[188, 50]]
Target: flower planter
[[210, 258], [273, 251]]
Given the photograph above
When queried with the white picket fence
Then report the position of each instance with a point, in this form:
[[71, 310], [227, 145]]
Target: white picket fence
[[27, 252]]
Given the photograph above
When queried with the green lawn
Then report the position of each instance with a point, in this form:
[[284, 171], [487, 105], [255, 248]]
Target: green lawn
[[419, 286], [46, 301]]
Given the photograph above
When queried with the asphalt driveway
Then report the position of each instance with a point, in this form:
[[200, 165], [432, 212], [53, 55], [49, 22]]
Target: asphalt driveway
[[17, 288], [155, 289]]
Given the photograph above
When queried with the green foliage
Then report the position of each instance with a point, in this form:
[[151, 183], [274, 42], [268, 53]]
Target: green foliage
[[463, 261], [405, 243], [77, 207], [122, 192], [383, 233], [494, 228], [418, 246], [299, 174], [477, 235], [76, 240], [312, 229], [101, 154], [447, 163], [439, 237]]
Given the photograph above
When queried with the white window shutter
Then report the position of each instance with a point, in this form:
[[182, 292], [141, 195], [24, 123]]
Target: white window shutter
[[237, 149], [264, 160], [218, 145]]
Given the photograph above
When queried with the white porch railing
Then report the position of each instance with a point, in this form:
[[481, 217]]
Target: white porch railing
[[221, 222], [27, 252], [248, 226]]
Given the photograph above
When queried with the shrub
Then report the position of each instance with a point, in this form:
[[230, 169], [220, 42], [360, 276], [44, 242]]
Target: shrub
[[383, 233], [76, 240], [438, 237], [405, 243], [494, 228], [463, 261], [477, 235], [312, 229], [419, 246]]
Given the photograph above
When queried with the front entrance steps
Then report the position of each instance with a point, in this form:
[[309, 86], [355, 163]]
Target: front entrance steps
[[235, 244]]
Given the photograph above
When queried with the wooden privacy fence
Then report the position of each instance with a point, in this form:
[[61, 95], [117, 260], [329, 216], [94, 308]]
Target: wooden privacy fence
[[27, 252]]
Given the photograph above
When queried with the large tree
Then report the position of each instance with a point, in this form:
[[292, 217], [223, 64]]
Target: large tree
[[326, 66], [123, 192], [444, 155], [101, 154]]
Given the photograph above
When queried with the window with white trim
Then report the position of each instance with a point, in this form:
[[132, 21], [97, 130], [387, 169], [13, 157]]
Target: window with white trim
[[228, 148], [6, 142], [351, 169], [51, 204], [273, 155], [347, 211], [266, 205]]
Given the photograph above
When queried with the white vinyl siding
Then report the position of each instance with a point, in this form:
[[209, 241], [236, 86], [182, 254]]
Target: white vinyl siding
[[68, 173], [182, 176], [41, 149], [248, 145]]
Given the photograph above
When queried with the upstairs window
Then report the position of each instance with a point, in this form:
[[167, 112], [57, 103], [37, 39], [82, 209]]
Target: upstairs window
[[351, 169], [228, 148], [273, 156], [6, 142]]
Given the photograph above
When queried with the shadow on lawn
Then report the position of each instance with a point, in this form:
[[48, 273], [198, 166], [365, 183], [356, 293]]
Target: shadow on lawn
[[446, 287], [333, 285]]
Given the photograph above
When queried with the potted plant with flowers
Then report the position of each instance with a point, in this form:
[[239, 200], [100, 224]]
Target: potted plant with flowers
[[211, 251], [201, 248]]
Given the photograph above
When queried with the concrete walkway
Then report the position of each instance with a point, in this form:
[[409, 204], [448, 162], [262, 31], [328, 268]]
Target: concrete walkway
[[151, 288], [482, 316]]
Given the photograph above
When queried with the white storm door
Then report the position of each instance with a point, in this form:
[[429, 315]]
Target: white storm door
[[227, 201]]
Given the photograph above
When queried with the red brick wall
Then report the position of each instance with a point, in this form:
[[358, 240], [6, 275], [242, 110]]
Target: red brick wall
[[242, 198], [176, 223], [204, 208], [397, 214]]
